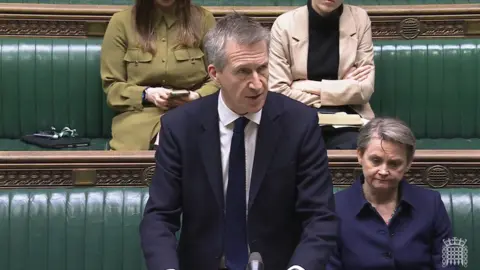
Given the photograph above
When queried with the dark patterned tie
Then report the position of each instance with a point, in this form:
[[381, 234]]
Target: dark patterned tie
[[236, 248]]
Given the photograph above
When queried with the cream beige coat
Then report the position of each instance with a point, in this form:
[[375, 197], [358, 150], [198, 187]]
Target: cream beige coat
[[288, 61]]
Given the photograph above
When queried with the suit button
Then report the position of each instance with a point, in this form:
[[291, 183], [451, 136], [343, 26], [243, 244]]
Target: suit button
[[388, 255], [392, 234]]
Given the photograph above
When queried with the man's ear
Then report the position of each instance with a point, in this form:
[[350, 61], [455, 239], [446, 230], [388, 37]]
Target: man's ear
[[212, 72]]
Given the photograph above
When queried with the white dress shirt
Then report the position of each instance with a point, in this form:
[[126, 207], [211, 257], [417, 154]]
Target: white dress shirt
[[227, 118]]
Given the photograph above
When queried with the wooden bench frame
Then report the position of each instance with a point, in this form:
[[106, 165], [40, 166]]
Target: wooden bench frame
[[388, 22], [108, 168], [432, 168]]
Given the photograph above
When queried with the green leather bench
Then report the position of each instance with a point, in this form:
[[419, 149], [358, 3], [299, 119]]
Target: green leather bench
[[97, 228], [431, 84], [48, 82], [434, 86]]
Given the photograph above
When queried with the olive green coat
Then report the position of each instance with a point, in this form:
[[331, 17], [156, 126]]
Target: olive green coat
[[127, 71]]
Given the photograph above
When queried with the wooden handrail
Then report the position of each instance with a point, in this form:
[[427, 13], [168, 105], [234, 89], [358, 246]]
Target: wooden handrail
[[388, 21], [25, 157], [434, 168], [382, 10]]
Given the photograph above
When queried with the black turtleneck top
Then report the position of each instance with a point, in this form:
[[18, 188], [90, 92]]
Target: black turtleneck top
[[324, 50], [324, 42]]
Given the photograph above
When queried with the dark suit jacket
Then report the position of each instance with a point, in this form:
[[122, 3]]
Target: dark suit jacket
[[412, 241], [291, 216]]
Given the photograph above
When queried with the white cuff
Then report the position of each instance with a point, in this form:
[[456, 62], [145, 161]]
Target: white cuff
[[296, 267]]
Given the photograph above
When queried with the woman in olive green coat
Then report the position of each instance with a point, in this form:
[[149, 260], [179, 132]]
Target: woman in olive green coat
[[148, 51]]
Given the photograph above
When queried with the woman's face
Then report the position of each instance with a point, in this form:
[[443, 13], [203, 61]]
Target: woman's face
[[384, 164], [165, 3], [325, 6]]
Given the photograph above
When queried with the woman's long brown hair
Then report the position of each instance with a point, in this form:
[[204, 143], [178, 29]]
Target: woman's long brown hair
[[188, 17]]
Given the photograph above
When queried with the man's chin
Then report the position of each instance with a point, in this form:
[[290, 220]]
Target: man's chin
[[256, 105]]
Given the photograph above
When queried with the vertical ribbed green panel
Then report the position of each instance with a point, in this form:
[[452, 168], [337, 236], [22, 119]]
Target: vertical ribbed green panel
[[432, 84], [97, 228], [48, 82]]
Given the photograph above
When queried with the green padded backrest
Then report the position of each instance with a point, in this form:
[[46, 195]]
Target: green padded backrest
[[97, 228], [71, 229], [252, 2], [433, 85], [52, 81]]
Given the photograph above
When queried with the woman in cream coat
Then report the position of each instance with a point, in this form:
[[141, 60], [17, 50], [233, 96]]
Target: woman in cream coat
[[322, 55]]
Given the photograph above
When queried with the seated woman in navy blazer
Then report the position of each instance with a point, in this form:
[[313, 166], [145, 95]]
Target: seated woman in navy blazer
[[385, 222]]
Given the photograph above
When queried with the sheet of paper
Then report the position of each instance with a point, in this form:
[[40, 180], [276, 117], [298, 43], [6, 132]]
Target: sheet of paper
[[158, 138]]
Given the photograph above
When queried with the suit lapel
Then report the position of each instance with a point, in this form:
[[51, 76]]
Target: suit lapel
[[300, 40], [348, 41], [269, 132], [210, 148]]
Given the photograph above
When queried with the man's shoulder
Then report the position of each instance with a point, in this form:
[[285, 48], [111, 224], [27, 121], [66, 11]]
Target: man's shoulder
[[291, 106], [189, 113]]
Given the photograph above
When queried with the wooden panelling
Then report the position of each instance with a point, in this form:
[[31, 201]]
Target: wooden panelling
[[388, 22], [430, 168]]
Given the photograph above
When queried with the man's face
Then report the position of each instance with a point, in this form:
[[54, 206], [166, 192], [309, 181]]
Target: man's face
[[244, 78]]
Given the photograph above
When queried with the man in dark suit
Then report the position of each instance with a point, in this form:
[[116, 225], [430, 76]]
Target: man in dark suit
[[244, 170]]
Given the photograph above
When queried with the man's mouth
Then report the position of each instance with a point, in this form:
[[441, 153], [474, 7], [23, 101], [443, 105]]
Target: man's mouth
[[254, 97]]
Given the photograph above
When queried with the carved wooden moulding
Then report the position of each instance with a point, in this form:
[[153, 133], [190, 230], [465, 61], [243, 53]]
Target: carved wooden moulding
[[411, 28], [388, 22], [53, 28], [434, 176], [408, 28]]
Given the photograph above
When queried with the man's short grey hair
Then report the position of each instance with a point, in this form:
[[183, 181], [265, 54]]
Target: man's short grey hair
[[235, 27], [387, 129]]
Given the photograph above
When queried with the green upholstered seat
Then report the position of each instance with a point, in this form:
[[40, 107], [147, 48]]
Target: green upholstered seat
[[97, 228], [431, 84], [18, 145], [48, 82], [434, 86], [253, 2]]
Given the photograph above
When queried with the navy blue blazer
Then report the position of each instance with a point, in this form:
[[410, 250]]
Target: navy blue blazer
[[291, 219], [412, 241]]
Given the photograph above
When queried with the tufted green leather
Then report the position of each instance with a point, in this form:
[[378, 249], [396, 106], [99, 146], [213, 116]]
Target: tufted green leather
[[434, 86], [252, 2], [431, 84], [51, 82], [97, 228]]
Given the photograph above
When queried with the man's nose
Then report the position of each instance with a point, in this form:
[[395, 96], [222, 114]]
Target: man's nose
[[256, 83]]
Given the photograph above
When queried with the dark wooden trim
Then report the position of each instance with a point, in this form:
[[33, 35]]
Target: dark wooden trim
[[260, 11], [431, 168], [388, 22]]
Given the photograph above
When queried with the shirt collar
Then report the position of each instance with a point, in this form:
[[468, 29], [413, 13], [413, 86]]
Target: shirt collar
[[359, 202], [227, 116], [169, 17]]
